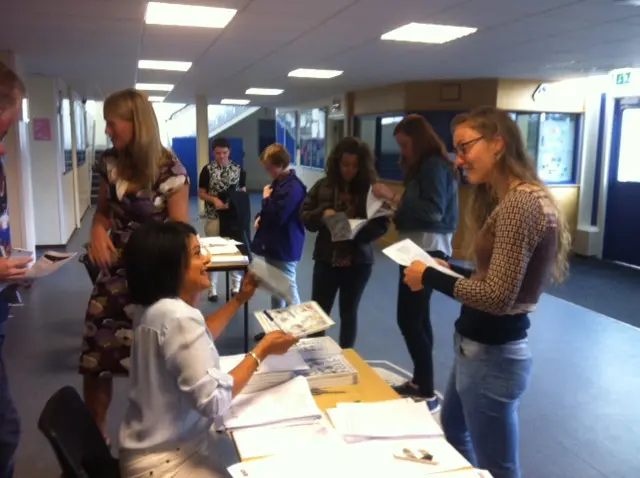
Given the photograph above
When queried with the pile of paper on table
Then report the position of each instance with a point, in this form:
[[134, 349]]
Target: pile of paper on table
[[285, 404], [223, 250], [402, 418], [275, 369]]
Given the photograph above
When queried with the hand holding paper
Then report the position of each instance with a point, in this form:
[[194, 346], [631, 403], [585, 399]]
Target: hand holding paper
[[407, 252]]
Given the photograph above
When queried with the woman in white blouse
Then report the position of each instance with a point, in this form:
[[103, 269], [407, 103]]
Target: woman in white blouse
[[177, 387]]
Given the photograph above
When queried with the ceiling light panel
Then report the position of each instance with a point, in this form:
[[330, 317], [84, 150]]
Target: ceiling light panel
[[156, 99], [154, 86], [428, 33], [188, 15], [314, 73], [164, 65], [264, 91], [229, 101]]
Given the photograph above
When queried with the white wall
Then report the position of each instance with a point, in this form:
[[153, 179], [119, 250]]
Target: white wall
[[247, 129]]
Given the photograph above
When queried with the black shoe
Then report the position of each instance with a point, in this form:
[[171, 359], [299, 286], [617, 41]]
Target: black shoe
[[213, 298], [259, 337], [409, 391]]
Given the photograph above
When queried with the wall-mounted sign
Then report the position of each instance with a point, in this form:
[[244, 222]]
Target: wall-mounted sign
[[336, 106], [623, 78], [41, 129]]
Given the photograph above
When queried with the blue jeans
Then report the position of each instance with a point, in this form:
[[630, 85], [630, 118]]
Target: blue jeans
[[480, 409], [289, 270]]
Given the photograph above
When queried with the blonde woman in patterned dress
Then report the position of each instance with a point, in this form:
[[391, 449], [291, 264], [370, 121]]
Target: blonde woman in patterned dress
[[141, 181], [520, 243]]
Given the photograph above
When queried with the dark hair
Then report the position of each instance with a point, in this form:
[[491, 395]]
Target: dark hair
[[426, 143], [220, 143], [366, 169], [155, 260], [10, 82], [277, 155]]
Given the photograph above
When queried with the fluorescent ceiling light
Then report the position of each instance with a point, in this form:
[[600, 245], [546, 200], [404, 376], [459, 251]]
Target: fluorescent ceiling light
[[264, 91], [313, 73], [154, 86], [164, 65], [428, 33], [188, 15], [156, 98], [228, 101]]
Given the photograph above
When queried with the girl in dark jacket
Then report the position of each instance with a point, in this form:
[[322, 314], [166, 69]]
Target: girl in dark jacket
[[426, 213], [343, 266]]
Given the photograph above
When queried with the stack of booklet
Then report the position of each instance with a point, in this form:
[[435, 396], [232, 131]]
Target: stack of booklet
[[299, 320], [328, 367], [276, 369], [319, 360]]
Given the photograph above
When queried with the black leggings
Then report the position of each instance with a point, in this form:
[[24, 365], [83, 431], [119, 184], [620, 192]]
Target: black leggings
[[414, 320], [351, 282]]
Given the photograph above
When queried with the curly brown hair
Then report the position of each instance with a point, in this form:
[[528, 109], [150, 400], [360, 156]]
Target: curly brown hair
[[366, 164]]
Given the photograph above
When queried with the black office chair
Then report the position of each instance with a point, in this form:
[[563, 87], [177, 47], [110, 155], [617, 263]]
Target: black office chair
[[75, 437]]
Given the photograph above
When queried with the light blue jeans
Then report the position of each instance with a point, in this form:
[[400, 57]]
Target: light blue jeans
[[480, 409], [289, 270]]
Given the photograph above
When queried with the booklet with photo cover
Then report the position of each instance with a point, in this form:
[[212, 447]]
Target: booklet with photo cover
[[272, 279], [299, 320], [344, 229]]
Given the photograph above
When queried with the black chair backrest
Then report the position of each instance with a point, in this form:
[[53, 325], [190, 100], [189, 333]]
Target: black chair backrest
[[75, 437], [241, 204]]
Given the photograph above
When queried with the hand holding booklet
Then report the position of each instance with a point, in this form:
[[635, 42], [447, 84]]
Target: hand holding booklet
[[271, 279], [344, 229], [407, 251], [299, 320]]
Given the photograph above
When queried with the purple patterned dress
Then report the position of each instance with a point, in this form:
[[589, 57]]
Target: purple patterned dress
[[107, 335]]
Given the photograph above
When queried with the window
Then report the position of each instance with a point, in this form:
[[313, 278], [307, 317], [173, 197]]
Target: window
[[313, 137], [388, 151], [65, 121], [628, 164]]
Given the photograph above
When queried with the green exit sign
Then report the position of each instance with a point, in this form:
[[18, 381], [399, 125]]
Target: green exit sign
[[623, 78]]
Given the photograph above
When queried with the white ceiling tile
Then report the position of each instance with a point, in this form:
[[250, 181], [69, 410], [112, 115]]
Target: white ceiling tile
[[175, 43]]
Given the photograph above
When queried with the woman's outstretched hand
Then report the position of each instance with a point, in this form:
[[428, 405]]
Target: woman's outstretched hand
[[248, 288], [413, 275]]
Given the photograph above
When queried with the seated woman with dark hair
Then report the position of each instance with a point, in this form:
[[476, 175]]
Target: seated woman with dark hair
[[177, 387]]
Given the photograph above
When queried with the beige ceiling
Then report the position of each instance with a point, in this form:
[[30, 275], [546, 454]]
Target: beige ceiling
[[95, 44]]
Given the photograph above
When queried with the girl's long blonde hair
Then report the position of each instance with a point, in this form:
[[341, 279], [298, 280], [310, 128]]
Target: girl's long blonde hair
[[139, 163], [513, 162]]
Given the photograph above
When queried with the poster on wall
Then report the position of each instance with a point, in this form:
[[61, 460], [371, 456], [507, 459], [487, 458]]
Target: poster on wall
[[555, 149], [41, 129], [312, 153]]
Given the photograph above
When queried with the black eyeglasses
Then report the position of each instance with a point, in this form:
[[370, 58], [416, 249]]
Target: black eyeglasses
[[463, 148]]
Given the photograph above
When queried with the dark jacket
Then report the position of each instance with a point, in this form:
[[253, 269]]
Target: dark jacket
[[430, 201], [323, 196], [280, 235]]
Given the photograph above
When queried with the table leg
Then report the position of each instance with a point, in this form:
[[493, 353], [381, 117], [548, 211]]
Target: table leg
[[246, 327], [227, 282]]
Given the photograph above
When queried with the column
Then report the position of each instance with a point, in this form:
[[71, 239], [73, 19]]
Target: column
[[202, 135], [17, 169]]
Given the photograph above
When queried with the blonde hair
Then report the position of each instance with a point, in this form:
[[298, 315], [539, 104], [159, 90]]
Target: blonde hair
[[140, 162], [277, 155], [513, 162], [11, 87]]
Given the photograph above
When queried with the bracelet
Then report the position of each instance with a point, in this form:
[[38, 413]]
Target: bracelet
[[252, 354]]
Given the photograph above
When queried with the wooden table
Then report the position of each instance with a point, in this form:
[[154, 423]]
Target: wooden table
[[370, 388], [232, 263]]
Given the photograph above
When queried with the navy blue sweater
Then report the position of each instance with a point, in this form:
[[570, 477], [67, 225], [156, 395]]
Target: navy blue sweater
[[430, 201]]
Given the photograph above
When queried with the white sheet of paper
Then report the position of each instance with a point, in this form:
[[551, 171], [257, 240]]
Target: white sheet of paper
[[50, 262], [226, 249], [374, 204], [445, 457], [272, 440], [217, 241], [222, 258], [402, 418], [407, 251], [291, 400], [292, 361]]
